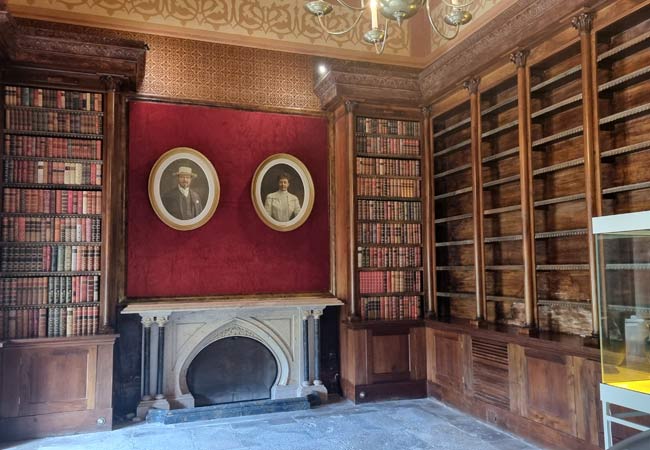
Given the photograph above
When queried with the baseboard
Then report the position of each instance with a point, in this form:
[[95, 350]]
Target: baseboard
[[54, 424], [397, 390]]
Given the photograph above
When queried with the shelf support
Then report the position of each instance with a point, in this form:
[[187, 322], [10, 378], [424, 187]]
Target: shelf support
[[472, 85], [353, 314], [520, 58], [428, 193], [593, 193]]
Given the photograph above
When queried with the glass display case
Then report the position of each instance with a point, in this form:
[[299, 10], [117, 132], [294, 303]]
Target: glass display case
[[623, 271]]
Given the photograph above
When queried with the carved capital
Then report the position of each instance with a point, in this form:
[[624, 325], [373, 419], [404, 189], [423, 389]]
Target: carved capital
[[162, 320], [583, 22], [147, 321], [350, 106], [426, 111], [305, 313], [519, 57], [317, 313], [472, 85], [111, 83]]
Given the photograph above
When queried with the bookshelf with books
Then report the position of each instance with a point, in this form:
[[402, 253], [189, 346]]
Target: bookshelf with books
[[50, 248]]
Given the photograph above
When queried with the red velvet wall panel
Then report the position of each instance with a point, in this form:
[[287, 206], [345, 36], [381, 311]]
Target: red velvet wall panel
[[235, 252]]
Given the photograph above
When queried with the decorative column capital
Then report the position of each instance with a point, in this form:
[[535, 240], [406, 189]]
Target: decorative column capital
[[520, 57], [162, 320], [110, 82], [426, 111], [583, 22], [472, 85], [317, 313], [305, 314], [147, 321], [350, 106]]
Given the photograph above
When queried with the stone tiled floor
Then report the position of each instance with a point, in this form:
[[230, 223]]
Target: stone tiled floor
[[397, 425]]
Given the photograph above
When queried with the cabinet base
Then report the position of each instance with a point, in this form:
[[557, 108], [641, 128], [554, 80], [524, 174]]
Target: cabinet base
[[59, 423], [385, 391]]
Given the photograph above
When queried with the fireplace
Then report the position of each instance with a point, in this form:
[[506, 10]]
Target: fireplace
[[233, 369], [193, 349]]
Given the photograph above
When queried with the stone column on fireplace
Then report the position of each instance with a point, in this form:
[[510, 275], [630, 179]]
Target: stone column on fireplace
[[152, 355]]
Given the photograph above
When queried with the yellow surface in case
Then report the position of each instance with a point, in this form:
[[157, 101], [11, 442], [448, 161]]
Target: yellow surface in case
[[639, 386]]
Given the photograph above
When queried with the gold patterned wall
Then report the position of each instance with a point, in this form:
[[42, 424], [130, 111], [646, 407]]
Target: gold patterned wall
[[196, 70], [276, 24], [478, 8]]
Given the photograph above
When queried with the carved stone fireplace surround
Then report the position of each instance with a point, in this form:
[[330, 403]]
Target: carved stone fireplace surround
[[176, 330]]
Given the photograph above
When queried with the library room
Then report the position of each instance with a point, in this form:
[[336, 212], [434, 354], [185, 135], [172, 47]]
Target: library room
[[325, 225]]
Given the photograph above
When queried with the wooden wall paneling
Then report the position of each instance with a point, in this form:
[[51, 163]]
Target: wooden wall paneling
[[588, 419], [431, 310], [583, 23], [472, 85], [389, 354], [448, 361], [516, 378], [519, 58]]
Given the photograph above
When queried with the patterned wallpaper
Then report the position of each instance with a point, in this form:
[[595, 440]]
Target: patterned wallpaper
[[187, 69], [477, 8], [284, 21]]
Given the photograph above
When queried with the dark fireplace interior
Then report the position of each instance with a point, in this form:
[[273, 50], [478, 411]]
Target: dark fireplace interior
[[234, 369]]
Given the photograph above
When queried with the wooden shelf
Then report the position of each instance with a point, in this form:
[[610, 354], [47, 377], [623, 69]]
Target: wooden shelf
[[504, 209], [47, 243], [452, 149], [559, 166], [390, 136], [502, 155], [557, 107], [392, 294], [453, 218], [626, 80], [389, 221], [454, 268], [61, 110], [582, 304], [59, 215], [47, 274], [388, 198], [562, 267], [627, 188], [575, 70], [50, 305], [500, 129], [74, 187], [556, 200], [390, 269], [503, 298], [456, 294], [397, 177], [561, 234], [452, 171], [620, 50], [496, 239], [455, 243], [61, 159], [507, 103], [505, 268], [625, 150], [388, 156], [374, 244], [462, 191], [612, 119], [501, 181], [628, 266], [567, 134], [453, 127], [56, 134]]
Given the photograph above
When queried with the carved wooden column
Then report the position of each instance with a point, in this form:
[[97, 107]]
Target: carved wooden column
[[519, 58], [353, 313], [429, 217], [472, 85], [593, 193]]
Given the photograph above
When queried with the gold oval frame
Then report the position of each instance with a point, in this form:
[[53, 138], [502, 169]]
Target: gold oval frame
[[156, 203], [308, 184]]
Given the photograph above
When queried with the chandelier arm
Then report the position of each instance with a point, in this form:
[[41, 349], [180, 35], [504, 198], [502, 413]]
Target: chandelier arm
[[457, 6], [337, 33], [353, 8], [437, 30], [383, 42]]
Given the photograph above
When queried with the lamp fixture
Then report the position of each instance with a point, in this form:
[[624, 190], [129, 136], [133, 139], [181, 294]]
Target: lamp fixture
[[456, 14]]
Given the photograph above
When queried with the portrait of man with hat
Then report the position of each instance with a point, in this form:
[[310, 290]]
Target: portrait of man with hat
[[182, 202]]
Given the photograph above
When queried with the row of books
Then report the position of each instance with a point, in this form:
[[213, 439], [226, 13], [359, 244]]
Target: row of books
[[50, 258], [52, 121], [390, 281], [389, 233], [390, 308], [52, 172], [389, 257], [51, 229], [389, 210], [48, 322], [387, 126], [46, 201], [388, 146], [391, 187], [384, 166], [52, 147], [52, 98], [49, 290]]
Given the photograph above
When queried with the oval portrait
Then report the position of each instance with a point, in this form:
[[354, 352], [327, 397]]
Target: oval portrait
[[184, 188], [282, 192]]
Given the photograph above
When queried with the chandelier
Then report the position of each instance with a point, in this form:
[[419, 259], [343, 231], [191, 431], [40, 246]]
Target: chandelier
[[456, 14]]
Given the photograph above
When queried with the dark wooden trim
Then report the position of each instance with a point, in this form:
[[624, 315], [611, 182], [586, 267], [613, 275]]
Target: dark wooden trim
[[429, 257], [353, 304], [388, 391]]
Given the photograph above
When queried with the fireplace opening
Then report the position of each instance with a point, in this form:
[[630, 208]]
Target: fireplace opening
[[233, 369]]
